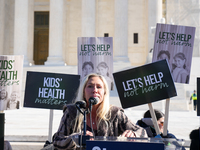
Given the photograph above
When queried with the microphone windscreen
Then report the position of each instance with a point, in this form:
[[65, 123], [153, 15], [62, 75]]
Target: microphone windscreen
[[81, 104], [94, 100]]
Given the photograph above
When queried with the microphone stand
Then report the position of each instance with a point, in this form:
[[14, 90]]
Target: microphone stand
[[84, 137]]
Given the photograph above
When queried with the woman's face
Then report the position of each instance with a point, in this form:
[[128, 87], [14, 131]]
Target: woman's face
[[163, 56], [87, 70], [94, 88], [103, 71], [161, 123], [3, 94], [179, 62]]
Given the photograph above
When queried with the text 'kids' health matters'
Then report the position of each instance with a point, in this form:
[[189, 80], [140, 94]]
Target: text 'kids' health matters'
[[50, 90]]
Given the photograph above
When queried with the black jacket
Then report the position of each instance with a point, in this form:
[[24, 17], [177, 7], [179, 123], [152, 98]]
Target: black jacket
[[151, 132]]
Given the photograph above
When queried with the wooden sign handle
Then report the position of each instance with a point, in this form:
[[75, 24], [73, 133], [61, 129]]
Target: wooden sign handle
[[50, 125], [153, 116], [166, 117]]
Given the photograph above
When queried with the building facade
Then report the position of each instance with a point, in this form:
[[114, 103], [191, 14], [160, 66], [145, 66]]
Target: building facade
[[46, 31]]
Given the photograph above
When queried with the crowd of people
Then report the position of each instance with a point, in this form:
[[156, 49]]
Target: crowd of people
[[106, 120]]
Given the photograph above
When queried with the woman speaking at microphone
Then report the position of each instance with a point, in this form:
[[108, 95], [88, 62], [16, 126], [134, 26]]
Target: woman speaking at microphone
[[106, 120]]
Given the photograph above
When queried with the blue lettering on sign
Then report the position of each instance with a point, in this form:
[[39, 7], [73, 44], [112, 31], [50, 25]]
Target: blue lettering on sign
[[98, 148]]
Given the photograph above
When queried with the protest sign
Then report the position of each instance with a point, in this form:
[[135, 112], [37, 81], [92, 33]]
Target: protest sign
[[11, 71], [50, 90], [145, 84], [95, 55], [175, 44]]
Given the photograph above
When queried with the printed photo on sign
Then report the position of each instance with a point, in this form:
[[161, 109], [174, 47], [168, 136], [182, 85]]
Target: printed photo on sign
[[95, 55], [145, 84], [50, 90], [10, 81], [175, 44]]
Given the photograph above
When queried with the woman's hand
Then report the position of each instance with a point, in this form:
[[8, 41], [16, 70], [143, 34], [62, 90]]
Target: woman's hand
[[89, 133], [128, 133]]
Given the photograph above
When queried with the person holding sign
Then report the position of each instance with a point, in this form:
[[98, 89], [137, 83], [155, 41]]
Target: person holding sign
[[147, 123], [179, 72], [106, 120]]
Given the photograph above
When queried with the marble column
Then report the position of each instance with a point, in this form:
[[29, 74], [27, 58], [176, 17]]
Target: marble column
[[121, 34], [56, 34], [21, 29], [31, 32], [88, 18], [2, 20], [154, 17]]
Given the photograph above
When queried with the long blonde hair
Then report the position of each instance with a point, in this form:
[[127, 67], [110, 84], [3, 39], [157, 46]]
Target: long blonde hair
[[103, 109]]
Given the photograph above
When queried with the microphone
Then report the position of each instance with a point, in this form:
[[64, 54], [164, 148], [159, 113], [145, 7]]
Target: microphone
[[93, 100], [80, 104]]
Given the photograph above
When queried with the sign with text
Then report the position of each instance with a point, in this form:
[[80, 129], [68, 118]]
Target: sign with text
[[145, 84], [11, 72], [119, 145], [95, 55], [198, 98], [175, 44], [50, 90]]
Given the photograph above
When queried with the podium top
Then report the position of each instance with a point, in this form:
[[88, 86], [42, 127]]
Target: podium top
[[171, 143]]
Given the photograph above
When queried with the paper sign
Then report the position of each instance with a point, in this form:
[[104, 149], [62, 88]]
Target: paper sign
[[95, 55], [145, 84], [11, 71], [175, 44], [50, 90]]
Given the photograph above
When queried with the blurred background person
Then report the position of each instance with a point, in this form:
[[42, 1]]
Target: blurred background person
[[195, 139], [147, 123], [193, 98]]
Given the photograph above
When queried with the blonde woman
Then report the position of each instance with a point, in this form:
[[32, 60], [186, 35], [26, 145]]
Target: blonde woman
[[106, 120]]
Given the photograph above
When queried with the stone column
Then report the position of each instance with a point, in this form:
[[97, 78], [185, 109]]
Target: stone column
[[31, 32], [88, 18], [155, 16], [121, 33], [21, 29], [2, 20], [56, 33]]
